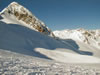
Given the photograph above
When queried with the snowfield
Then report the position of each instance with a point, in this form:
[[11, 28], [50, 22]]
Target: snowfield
[[26, 51], [19, 64], [68, 57], [20, 39]]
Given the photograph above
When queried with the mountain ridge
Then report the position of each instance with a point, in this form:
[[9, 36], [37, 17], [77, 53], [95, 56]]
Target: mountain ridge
[[91, 37], [21, 13]]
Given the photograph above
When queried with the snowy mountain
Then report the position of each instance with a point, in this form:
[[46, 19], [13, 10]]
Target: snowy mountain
[[90, 37], [23, 49], [25, 17], [18, 34]]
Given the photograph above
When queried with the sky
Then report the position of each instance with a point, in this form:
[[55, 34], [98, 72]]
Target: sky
[[63, 14]]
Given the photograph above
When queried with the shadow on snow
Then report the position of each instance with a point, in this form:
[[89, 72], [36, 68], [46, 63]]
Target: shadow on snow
[[20, 39]]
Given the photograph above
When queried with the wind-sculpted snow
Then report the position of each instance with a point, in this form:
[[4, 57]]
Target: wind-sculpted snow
[[19, 64], [23, 40], [24, 51]]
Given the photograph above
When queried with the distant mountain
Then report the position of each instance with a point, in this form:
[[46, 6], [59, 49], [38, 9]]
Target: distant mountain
[[90, 37], [17, 12]]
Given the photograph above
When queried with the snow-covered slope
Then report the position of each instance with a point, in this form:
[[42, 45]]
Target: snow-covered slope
[[23, 40], [20, 15], [26, 51], [90, 37], [20, 39], [19, 64], [17, 35]]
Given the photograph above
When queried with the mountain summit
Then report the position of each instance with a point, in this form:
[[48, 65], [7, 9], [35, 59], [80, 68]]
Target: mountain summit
[[23, 15]]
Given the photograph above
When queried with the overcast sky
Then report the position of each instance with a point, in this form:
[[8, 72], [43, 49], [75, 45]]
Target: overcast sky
[[63, 14]]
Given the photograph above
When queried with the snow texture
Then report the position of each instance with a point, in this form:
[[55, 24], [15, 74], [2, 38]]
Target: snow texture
[[19, 64], [24, 51]]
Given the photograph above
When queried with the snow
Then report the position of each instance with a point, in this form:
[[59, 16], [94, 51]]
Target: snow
[[24, 51], [90, 37], [68, 57], [24, 17], [16, 37], [20, 64], [20, 39]]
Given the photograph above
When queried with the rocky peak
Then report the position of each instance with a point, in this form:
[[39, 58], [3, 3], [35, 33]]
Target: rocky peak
[[23, 14]]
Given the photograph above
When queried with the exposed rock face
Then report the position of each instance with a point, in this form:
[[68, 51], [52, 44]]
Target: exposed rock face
[[21, 13]]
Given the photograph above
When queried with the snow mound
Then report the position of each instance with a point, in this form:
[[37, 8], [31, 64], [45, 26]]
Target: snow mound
[[20, 39], [23, 40]]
